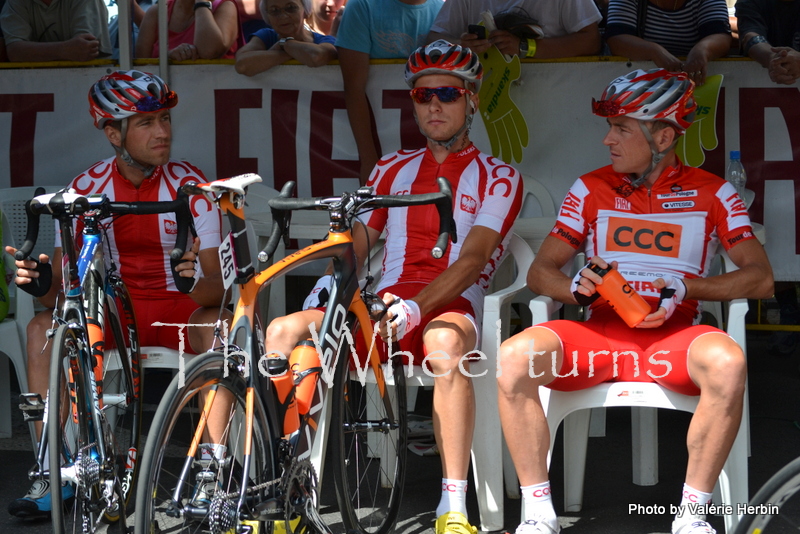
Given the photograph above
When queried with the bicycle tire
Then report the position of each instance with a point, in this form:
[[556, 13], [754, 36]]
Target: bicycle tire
[[781, 491], [65, 436], [122, 398], [167, 447], [368, 490]]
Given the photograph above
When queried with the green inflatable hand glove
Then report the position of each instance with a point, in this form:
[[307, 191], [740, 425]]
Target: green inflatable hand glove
[[701, 136], [505, 125]]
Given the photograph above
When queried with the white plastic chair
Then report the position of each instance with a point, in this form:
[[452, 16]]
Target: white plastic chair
[[13, 330], [573, 408]]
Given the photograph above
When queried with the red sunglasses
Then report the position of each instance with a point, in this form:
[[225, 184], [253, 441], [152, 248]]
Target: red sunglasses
[[423, 95]]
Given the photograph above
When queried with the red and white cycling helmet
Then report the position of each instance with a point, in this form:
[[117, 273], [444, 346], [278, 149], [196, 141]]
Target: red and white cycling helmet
[[442, 57], [122, 94], [654, 95]]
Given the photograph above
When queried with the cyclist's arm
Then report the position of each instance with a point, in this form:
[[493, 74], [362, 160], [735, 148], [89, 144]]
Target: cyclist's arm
[[25, 271], [478, 247], [361, 242], [545, 276], [209, 291], [752, 280]]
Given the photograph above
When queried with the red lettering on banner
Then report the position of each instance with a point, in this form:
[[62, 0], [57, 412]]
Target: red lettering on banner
[[23, 109], [322, 165], [410, 136], [752, 102], [227, 103], [283, 119]]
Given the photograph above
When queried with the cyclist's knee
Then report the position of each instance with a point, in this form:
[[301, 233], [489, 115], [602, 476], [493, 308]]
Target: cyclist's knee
[[532, 349], [37, 332]]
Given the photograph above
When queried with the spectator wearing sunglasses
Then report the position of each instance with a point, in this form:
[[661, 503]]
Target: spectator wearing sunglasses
[[197, 30], [528, 28], [55, 30], [376, 29], [434, 305], [289, 38]]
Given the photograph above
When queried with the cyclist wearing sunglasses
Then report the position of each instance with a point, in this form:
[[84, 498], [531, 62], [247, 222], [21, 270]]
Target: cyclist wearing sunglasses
[[435, 306], [659, 223], [133, 110]]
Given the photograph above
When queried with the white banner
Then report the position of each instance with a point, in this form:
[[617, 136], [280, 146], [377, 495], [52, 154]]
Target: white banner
[[290, 123]]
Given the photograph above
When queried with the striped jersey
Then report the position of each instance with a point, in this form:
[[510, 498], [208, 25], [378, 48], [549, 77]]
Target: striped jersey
[[140, 244], [486, 192], [677, 31], [672, 229]]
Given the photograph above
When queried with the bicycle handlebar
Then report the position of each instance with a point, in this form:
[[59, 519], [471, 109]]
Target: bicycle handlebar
[[69, 204], [282, 206]]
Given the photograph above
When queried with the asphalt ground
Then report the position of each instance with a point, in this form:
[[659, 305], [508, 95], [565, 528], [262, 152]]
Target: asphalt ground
[[775, 440]]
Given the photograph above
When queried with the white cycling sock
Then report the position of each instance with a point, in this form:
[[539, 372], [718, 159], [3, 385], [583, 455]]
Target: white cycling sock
[[537, 503], [219, 451], [693, 496], [454, 497]]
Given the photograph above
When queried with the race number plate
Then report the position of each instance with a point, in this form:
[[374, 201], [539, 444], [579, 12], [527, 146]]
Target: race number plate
[[226, 261]]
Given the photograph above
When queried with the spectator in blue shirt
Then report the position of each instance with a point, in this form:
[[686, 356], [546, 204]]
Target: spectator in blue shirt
[[289, 38]]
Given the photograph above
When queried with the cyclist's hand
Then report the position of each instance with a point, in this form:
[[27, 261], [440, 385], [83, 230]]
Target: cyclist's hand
[[401, 317], [319, 295], [33, 277], [673, 291], [187, 268]]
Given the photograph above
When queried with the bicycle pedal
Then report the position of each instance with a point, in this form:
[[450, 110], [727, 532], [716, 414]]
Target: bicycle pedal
[[32, 407]]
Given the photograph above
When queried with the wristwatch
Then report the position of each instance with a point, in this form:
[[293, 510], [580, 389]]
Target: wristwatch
[[282, 41], [527, 47], [198, 5]]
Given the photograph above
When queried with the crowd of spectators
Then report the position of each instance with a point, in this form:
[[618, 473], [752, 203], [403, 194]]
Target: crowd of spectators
[[678, 35]]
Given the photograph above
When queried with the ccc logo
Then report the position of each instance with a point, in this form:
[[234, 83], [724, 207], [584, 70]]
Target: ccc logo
[[643, 237]]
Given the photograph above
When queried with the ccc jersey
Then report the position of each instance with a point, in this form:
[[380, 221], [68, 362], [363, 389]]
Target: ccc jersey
[[672, 229], [486, 192], [140, 244]]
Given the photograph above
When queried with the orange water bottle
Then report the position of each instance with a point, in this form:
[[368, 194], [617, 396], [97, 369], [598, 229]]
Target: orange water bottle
[[305, 364], [628, 304], [283, 381]]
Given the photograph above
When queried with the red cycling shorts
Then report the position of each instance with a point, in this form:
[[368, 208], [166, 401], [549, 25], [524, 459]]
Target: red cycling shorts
[[642, 355], [412, 343], [171, 311]]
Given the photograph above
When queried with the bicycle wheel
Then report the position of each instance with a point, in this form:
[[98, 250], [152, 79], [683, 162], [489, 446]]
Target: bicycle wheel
[[179, 491], [369, 459], [122, 401], [775, 509], [72, 448]]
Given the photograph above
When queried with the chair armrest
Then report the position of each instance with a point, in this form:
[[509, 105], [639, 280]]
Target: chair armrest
[[542, 309]]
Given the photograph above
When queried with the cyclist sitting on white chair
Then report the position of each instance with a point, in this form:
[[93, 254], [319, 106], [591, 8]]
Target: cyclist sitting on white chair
[[659, 223], [133, 110], [435, 304]]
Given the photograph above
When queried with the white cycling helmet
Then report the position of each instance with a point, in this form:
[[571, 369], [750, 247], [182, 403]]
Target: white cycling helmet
[[442, 57], [122, 94], [654, 95]]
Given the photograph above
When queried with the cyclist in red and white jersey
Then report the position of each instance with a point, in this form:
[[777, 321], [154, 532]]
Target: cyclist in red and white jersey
[[659, 223], [133, 110], [437, 303]]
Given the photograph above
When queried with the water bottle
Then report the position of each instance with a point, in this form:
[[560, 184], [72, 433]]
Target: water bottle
[[735, 173], [283, 381], [628, 304]]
